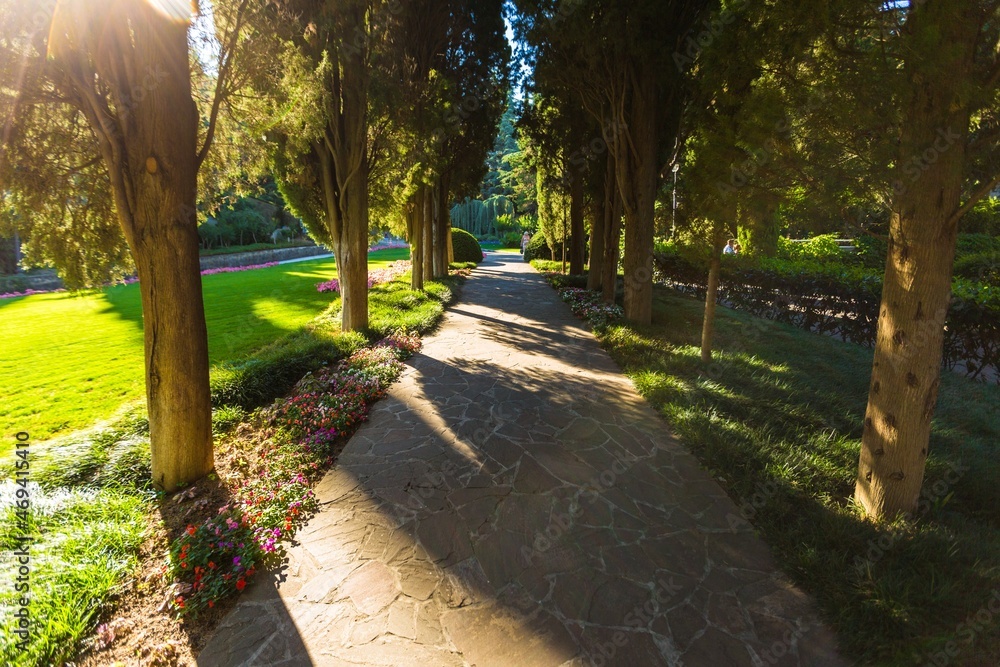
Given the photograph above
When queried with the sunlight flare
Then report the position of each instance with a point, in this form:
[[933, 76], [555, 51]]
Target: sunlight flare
[[181, 11]]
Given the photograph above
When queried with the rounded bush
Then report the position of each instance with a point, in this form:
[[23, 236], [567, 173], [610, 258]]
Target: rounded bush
[[537, 248], [467, 248]]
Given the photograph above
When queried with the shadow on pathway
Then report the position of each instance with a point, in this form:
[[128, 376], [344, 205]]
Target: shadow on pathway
[[515, 503]]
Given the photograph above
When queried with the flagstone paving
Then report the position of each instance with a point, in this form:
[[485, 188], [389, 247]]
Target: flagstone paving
[[514, 502]]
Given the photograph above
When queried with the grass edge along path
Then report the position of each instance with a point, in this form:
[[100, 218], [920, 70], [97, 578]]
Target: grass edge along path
[[102, 481], [776, 417]]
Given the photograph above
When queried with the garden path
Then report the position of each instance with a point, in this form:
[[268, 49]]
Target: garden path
[[514, 502]]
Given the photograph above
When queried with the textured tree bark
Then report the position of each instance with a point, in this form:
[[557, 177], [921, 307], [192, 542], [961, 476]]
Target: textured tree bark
[[711, 296], [416, 233], [428, 228], [443, 228], [156, 203], [577, 248], [638, 171], [352, 256], [596, 273], [612, 235], [907, 365]]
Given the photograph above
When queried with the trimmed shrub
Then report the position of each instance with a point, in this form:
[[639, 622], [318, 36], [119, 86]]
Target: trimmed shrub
[[538, 248], [467, 248], [820, 248], [273, 370], [511, 240]]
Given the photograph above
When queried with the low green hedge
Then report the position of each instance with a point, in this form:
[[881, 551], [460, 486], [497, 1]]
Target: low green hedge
[[538, 248], [840, 300], [467, 248], [274, 369]]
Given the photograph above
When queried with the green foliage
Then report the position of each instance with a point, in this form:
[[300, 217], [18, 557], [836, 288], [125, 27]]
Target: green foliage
[[976, 244], [538, 248], [832, 298], [86, 542], [982, 267], [483, 219], [273, 370], [511, 240], [227, 417], [238, 226], [13, 284], [822, 248], [467, 248], [871, 251], [984, 218], [212, 570]]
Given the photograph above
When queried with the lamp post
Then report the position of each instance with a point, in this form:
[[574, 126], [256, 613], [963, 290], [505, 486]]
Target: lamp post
[[673, 214]]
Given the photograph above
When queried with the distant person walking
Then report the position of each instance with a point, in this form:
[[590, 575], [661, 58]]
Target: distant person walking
[[730, 248], [525, 239]]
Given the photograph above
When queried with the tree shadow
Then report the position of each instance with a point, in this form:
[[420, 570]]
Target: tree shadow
[[515, 511]]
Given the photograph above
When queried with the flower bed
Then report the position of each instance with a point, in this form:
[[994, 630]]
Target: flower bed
[[377, 277], [589, 306], [274, 495], [236, 269]]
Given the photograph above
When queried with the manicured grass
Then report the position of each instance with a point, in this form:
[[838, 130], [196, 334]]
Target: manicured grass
[[88, 539], [777, 418], [69, 360]]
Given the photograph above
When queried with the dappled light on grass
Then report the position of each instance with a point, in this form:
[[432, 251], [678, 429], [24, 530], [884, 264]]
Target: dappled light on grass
[[777, 418]]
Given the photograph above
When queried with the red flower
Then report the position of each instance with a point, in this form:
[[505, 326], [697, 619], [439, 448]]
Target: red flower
[[211, 603], [240, 584], [211, 565], [179, 602], [190, 531]]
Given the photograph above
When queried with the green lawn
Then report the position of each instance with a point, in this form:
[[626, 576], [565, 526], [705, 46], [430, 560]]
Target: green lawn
[[777, 418], [69, 360]]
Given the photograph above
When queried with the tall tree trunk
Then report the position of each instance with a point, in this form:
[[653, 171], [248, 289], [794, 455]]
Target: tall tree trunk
[[907, 365], [156, 198], [417, 242], [443, 228], [353, 253], [638, 171], [427, 257], [612, 234], [577, 248], [597, 220], [711, 295]]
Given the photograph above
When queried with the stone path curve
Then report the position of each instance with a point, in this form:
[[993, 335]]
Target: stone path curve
[[515, 503]]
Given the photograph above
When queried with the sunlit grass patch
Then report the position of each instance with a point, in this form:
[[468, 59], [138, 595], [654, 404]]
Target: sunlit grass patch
[[776, 417], [85, 543]]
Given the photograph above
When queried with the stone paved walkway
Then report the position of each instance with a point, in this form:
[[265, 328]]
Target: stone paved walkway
[[515, 503]]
